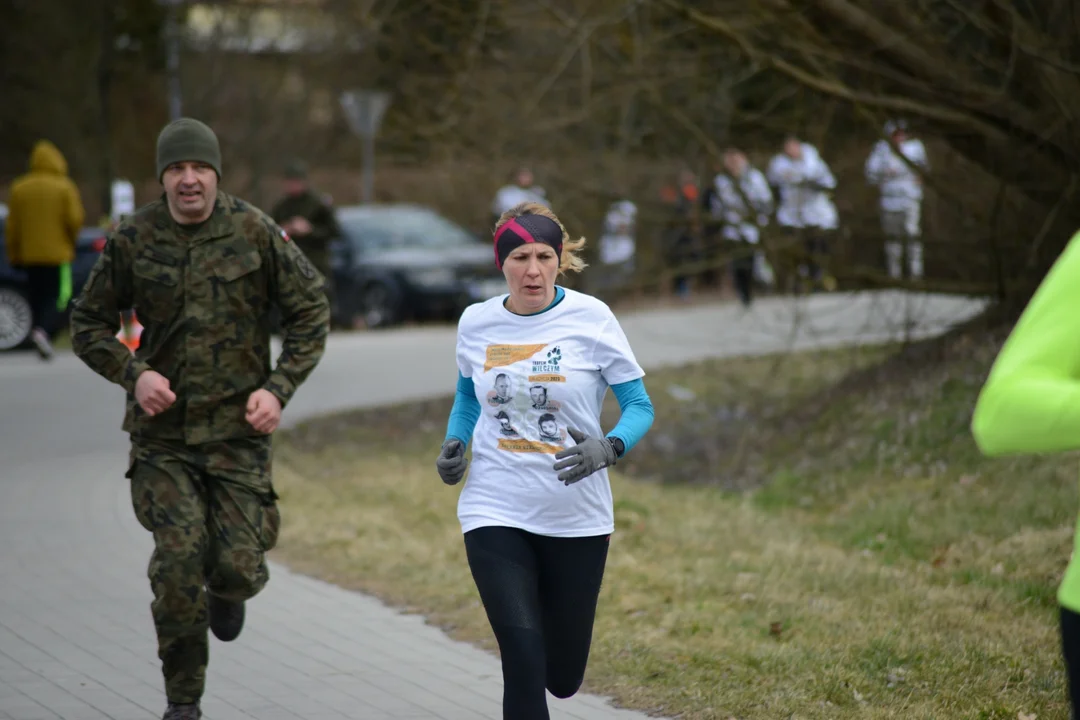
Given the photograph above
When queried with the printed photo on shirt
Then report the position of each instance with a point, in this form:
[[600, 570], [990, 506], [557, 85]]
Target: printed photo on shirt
[[502, 393], [538, 394], [549, 429], [505, 426]]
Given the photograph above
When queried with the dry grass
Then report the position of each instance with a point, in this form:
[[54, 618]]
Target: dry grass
[[884, 571]]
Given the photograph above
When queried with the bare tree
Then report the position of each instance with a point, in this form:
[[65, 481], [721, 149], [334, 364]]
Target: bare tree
[[996, 80], [604, 99]]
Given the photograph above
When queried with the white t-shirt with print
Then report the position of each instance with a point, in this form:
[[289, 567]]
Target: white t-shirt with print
[[534, 376]]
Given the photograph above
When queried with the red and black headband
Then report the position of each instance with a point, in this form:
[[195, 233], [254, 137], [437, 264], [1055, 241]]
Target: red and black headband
[[524, 229]]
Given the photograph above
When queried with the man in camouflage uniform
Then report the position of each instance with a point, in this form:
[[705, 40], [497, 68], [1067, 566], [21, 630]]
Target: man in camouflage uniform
[[202, 269], [308, 219]]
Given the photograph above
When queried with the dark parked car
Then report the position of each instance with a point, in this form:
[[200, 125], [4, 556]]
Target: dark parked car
[[399, 262], [15, 320]]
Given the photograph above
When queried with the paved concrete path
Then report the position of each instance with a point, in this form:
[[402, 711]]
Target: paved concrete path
[[76, 637]]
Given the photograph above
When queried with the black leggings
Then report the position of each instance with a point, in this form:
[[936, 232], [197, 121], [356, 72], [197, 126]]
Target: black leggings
[[43, 289], [742, 272], [540, 596], [1070, 645]]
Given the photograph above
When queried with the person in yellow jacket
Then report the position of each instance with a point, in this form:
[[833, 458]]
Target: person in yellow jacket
[[45, 213]]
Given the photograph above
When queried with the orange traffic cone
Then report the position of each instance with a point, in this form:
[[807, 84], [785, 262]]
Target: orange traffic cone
[[130, 332]]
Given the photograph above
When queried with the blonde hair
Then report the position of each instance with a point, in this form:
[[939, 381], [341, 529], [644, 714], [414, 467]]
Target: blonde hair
[[569, 261]]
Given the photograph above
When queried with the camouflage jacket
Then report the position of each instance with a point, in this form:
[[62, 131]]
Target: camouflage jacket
[[204, 301], [324, 226]]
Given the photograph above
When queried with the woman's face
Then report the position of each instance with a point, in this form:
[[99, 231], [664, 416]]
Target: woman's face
[[530, 273]]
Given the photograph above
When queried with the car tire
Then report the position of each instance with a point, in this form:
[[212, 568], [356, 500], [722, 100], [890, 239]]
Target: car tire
[[379, 305], [16, 318]]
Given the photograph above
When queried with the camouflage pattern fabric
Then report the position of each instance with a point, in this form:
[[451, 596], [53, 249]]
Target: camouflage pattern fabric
[[203, 299], [213, 512], [324, 227]]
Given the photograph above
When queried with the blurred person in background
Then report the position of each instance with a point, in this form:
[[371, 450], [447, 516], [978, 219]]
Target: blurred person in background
[[742, 201], [617, 250], [123, 205], [45, 212], [806, 214], [679, 237], [901, 187], [536, 511], [522, 188], [308, 219]]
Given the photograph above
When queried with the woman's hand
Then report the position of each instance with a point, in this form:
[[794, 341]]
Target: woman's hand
[[589, 455], [452, 463]]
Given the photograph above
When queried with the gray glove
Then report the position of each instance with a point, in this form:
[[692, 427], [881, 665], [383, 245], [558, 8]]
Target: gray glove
[[452, 462], [589, 455]]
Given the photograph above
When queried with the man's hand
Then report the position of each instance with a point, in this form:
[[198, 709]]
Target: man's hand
[[451, 463], [263, 411], [298, 226], [152, 393]]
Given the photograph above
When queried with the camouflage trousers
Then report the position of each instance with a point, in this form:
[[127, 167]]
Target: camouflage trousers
[[213, 513]]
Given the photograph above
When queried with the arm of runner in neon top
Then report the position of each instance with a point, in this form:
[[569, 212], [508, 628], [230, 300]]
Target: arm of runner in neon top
[[1031, 400], [637, 413], [465, 412]]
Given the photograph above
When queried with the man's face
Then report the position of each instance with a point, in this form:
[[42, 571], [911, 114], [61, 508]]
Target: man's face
[[734, 163], [501, 386], [793, 148], [539, 395], [294, 186], [190, 190], [549, 428], [525, 177]]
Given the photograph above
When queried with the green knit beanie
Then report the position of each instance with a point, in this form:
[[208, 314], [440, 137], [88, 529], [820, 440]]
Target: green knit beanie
[[296, 170], [187, 140]]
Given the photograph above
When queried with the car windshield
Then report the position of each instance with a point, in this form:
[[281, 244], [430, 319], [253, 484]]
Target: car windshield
[[399, 228]]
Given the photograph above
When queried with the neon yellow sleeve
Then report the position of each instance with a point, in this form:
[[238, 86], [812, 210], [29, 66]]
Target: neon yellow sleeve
[[64, 298], [1031, 400]]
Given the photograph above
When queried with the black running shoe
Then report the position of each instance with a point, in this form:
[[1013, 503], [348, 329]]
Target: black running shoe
[[187, 711], [226, 618]]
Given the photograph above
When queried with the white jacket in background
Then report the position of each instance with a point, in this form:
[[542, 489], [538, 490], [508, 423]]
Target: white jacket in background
[[510, 195], [801, 204], [741, 222], [901, 186], [617, 243]]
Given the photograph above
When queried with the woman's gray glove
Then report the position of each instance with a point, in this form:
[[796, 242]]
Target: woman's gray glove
[[589, 455], [452, 462]]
